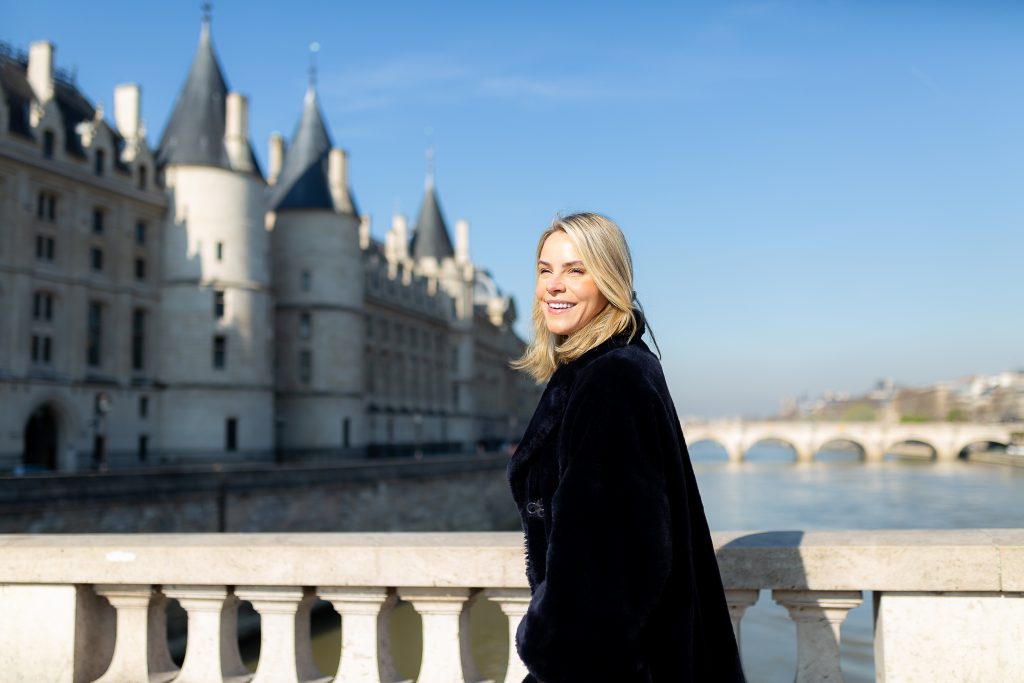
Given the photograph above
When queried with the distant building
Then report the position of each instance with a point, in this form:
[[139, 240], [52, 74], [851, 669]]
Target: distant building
[[173, 305]]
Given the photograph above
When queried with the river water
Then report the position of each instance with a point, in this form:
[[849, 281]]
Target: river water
[[770, 492]]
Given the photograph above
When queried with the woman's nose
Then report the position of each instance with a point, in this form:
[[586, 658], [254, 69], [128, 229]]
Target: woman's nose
[[555, 285]]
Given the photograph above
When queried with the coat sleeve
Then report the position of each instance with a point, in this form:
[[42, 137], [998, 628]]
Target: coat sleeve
[[610, 543]]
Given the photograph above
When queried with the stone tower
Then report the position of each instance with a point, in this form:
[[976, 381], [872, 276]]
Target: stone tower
[[451, 270], [318, 284], [216, 308]]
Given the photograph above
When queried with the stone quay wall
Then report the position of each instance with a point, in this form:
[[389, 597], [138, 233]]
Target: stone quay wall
[[466, 493]]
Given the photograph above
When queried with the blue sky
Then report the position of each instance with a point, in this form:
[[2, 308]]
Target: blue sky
[[817, 194]]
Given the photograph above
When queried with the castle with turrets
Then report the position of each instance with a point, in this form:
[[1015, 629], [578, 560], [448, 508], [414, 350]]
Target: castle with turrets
[[177, 305]]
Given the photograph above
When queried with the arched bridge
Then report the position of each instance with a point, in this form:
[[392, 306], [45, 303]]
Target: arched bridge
[[874, 439]]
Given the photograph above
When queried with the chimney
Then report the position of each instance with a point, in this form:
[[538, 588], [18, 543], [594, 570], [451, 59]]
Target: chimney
[[462, 241], [236, 132], [337, 174], [275, 157], [400, 226], [127, 104], [364, 232], [40, 70]]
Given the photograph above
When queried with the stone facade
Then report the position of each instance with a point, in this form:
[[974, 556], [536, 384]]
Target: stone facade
[[173, 305]]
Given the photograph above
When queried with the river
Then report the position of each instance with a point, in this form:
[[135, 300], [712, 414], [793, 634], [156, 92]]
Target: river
[[771, 492]]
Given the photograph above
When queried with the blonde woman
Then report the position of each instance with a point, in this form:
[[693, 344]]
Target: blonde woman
[[625, 585]]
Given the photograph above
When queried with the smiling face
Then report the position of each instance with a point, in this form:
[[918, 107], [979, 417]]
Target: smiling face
[[566, 291]]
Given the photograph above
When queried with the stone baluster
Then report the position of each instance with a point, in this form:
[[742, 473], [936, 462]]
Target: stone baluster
[[286, 654], [444, 656], [514, 603], [365, 640], [739, 601], [212, 650], [140, 648], [818, 615]]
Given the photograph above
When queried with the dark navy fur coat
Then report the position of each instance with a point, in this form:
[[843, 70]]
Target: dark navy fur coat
[[625, 584]]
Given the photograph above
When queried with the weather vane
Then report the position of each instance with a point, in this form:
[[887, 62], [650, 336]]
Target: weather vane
[[314, 47], [207, 7]]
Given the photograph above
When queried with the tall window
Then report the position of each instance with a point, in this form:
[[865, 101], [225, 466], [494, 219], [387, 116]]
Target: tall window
[[101, 160], [218, 303], [142, 177], [49, 141], [143, 406], [138, 339], [305, 366], [42, 348], [305, 280], [140, 232], [96, 259], [94, 334], [346, 427], [220, 352], [98, 219], [46, 206], [44, 248], [305, 325], [220, 251], [143, 447], [42, 306], [140, 269], [231, 434]]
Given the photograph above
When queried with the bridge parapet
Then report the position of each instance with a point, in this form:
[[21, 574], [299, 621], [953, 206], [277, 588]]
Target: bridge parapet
[[948, 604]]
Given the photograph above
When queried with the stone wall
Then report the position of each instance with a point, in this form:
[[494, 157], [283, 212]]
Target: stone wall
[[436, 494]]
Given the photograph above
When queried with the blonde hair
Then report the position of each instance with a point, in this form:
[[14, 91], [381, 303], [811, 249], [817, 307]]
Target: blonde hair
[[603, 249]]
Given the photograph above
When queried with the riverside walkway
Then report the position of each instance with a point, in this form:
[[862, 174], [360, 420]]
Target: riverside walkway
[[949, 605]]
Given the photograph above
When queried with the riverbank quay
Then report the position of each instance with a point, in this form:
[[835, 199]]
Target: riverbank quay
[[948, 605], [435, 493]]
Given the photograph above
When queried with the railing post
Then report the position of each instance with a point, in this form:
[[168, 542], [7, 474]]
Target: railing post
[[365, 641], [818, 615], [440, 610], [286, 654], [140, 647], [513, 602], [739, 601], [212, 649]]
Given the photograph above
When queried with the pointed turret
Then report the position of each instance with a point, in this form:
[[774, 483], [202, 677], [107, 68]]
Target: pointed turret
[[431, 235], [195, 132], [304, 182]]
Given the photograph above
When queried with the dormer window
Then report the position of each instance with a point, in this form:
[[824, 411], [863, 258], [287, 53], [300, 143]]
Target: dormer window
[[142, 177], [49, 142], [100, 162]]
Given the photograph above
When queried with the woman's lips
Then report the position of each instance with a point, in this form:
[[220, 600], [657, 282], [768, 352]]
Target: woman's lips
[[558, 311]]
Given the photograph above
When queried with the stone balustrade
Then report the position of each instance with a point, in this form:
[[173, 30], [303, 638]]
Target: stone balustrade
[[949, 605]]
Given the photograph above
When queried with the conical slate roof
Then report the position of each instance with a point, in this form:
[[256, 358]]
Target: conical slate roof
[[304, 181], [195, 132], [431, 234]]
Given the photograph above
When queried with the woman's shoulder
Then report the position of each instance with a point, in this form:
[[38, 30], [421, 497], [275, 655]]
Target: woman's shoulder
[[629, 370]]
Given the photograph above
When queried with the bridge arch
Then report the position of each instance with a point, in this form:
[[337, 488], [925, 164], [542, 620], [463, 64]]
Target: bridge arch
[[708, 448], [772, 454], [840, 450], [963, 452], [915, 441]]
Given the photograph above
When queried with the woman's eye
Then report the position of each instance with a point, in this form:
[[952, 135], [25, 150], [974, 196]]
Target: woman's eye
[[544, 270], [578, 271]]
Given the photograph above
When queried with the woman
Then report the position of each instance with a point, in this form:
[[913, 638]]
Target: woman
[[624, 579]]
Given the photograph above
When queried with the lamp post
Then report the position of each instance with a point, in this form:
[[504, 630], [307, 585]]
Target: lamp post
[[101, 406], [417, 421]]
